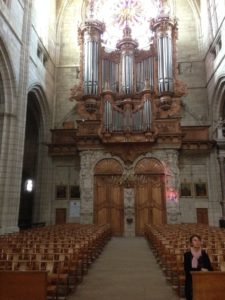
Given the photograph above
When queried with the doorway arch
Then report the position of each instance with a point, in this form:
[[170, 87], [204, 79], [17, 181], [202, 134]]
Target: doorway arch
[[149, 194], [30, 160], [108, 195], [35, 205]]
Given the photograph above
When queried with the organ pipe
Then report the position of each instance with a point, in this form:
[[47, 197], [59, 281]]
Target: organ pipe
[[165, 66], [127, 73], [116, 120], [127, 47], [90, 34], [145, 72], [147, 111], [90, 67], [127, 79], [110, 75], [165, 33]]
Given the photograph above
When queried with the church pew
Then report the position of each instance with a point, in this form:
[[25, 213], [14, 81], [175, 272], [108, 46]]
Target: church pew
[[208, 285]]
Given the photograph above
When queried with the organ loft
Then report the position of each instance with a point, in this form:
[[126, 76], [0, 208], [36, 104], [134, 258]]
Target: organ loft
[[129, 135]]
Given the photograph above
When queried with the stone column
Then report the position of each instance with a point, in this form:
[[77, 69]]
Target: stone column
[[87, 161], [221, 159], [13, 137], [172, 186]]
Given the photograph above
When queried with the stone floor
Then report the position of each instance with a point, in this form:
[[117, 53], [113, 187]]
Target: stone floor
[[125, 270]]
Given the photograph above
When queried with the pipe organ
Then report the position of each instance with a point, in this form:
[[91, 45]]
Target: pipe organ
[[128, 89], [164, 53]]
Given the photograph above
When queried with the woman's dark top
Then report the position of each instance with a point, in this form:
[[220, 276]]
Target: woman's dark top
[[203, 262]]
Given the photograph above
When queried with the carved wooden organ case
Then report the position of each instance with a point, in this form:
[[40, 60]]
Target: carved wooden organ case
[[129, 95]]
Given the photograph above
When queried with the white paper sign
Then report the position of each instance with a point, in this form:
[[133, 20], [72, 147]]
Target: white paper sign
[[74, 209]]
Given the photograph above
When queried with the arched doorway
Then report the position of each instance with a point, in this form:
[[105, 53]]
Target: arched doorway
[[149, 194], [108, 195], [30, 160]]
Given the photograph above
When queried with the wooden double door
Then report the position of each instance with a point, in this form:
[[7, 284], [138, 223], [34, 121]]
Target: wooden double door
[[149, 193], [108, 204]]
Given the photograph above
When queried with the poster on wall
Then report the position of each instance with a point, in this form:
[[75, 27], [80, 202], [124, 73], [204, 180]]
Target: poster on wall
[[74, 209]]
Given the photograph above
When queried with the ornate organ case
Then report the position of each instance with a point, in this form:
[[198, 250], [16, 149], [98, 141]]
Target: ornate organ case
[[130, 95]]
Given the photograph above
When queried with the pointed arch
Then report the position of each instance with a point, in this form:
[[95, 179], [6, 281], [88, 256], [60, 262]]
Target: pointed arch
[[39, 116], [219, 98], [8, 80], [41, 106]]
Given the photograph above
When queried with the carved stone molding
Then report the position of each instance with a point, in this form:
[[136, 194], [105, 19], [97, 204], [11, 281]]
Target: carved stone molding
[[127, 153], [149, 166], [108, 166]]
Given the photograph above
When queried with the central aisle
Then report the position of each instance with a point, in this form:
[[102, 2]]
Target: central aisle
[[126, 270]]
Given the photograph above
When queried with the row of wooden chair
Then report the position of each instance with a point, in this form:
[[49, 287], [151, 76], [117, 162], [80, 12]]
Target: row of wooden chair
[[65, 252], [169, 242]]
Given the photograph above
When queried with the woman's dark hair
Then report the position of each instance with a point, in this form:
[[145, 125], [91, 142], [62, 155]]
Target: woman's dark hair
[[193, 236]]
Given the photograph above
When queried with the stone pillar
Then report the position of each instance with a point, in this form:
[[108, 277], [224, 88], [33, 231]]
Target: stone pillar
[[221, 159], [129, 212], [172, 186], [13, 137], [87, 161]]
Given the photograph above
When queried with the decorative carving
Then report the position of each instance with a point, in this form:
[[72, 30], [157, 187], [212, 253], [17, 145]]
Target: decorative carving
[[84, 114], [93, 27], [108, 166], [76, 93], [149, 166], [180, 89], [125, 152], [91, 105], [165, 102]]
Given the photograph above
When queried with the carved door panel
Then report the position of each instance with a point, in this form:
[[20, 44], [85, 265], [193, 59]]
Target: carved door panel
[[149, 198], [157, 201], [117, 211], [108, 204], [142, 207], [202, 216], [60, 216], [101, 208]]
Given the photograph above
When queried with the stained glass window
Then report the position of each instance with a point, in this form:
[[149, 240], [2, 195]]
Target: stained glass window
[[116, 14]]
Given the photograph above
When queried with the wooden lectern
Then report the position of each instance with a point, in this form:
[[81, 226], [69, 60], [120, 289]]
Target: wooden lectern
[[23, 285], [208, 285]]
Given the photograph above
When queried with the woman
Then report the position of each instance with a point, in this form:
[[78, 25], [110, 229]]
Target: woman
[[195, 259]]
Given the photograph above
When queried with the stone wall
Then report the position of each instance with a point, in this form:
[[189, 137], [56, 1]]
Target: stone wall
[[23, 71], [39, 51]]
